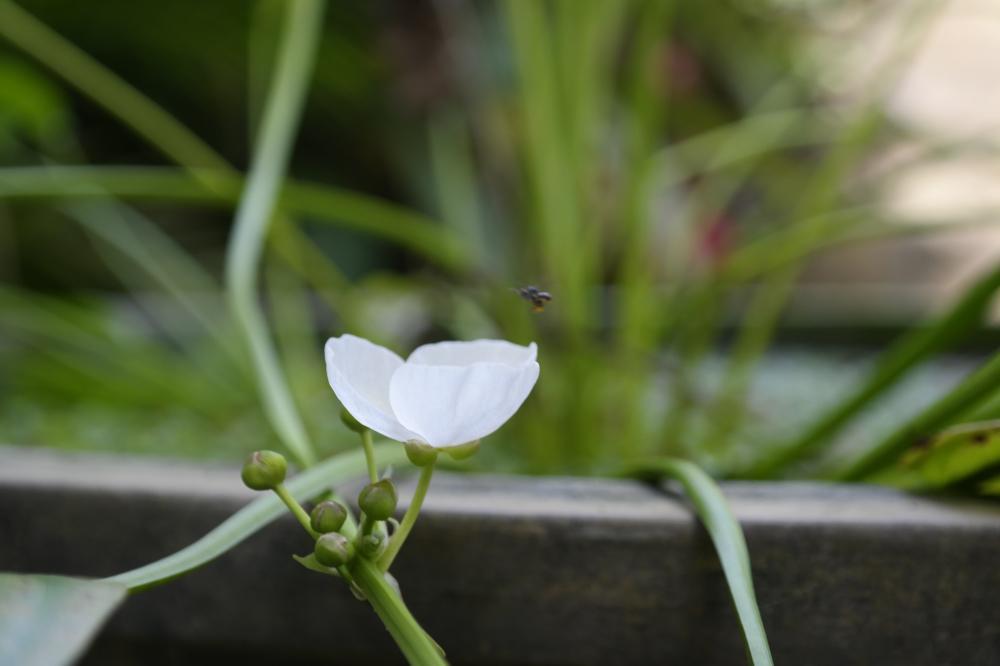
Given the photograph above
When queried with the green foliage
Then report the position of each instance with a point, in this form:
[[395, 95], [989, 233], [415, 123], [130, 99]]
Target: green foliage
[[611, 189], [966, 455], [948, 409]]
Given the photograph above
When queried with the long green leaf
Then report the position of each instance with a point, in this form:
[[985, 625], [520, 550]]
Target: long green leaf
[[727, 537], [955, 456], [153, 257], [50, 620], [975, 388], [139, 112], [906, 354], [255, 516], [258, 204], [221, 189]]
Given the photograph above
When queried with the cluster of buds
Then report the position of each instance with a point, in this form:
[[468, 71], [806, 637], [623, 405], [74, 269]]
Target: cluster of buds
[[266, 470]]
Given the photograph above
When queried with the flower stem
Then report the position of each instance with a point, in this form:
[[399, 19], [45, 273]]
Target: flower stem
[[367, 525], [296, 509], [412, 511], [413, 641], [366, 442]]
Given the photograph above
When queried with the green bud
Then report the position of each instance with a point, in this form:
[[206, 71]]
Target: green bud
[[352, 423], [371, 545], [328, 516], [463, 451], [263, 470], [333, 550], [378, 500], [420, 454]]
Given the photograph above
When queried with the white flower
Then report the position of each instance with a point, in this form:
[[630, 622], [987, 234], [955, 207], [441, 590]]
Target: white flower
[[445, 394]]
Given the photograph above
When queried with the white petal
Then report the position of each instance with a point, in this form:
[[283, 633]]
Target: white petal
[[473, 351], [359, 373], [448, 405]]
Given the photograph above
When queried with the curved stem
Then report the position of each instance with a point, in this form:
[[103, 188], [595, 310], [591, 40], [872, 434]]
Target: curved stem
[[257, 206], [300, 514], [367, 525], [366, 442], [412, 511]]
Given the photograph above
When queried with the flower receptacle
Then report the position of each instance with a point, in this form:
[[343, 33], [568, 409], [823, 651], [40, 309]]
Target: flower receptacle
[[420, 454], [462, 451]]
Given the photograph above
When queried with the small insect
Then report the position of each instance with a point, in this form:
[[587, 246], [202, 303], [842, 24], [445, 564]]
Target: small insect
[[538, 298]]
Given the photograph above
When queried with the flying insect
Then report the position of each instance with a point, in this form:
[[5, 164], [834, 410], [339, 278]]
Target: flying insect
[[538, 298]]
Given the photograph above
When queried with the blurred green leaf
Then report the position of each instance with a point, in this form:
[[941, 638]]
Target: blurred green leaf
[[30, 103], [50, 620], [903, 357], [258, 205], [319, 203], [951, 457], [970, 392]]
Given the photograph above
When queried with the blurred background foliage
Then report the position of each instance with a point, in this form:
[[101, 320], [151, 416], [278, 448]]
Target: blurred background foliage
[[680, 176]]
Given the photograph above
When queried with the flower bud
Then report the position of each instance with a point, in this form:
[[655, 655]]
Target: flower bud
[[328, 516], [463, 451], [378, 500], [371, 545], [352, 423], [420, 454], [333, 550], [263, 470]]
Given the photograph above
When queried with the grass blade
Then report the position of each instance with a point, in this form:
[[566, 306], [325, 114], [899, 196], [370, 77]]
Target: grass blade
[[221, 188], [957, 456], [727, 537], [902, 357], [50, 620], [152, 256], [978, 386], [296, 55], [140, 113], [255, 516]]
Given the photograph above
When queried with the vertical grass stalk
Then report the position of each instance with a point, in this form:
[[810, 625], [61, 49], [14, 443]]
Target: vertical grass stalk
[[282, 111]]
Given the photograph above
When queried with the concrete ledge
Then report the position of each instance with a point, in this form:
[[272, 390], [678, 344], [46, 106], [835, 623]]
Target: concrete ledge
[[510, 570]]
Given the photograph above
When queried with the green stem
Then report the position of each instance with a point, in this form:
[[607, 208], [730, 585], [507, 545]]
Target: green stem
[[366, 442], [416, 645], [300, 514], [367, 525], [412, 511]]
